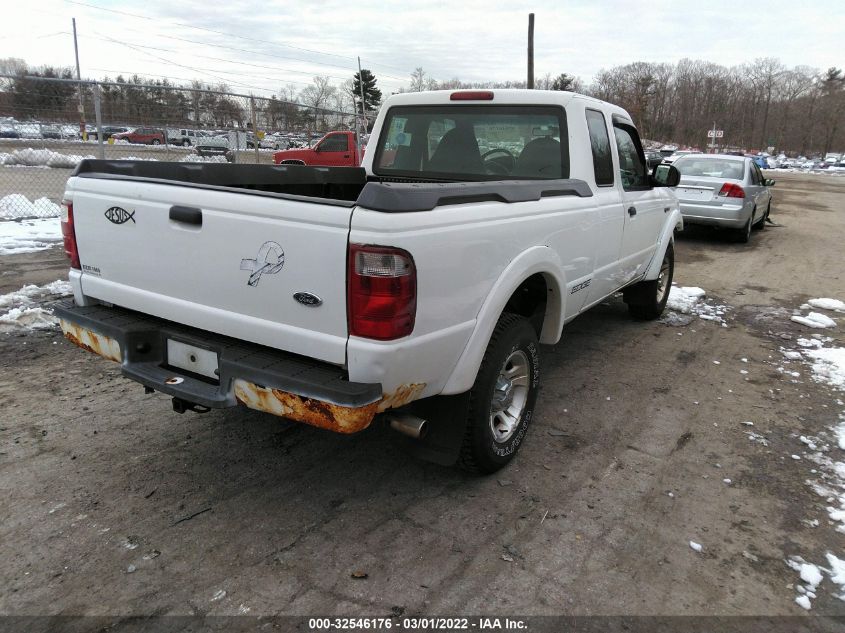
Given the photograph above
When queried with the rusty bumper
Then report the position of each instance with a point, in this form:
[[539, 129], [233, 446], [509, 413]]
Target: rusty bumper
[[293, 387]]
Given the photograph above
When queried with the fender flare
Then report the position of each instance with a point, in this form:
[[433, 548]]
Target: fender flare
[[674, 221], [538, 259]]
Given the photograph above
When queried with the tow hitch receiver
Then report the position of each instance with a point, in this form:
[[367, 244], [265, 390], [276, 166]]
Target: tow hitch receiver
[[180, 406]]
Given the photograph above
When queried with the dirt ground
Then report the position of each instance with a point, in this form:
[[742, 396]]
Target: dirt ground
[[114, 504]]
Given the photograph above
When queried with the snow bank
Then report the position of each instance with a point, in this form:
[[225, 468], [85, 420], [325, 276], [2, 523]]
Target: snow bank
[[28, 236], [683, 299], [828, 304], [194, 158], [815, 319], [41, 158], [828, 365], [22, 308], [16, 206], [690, 300]]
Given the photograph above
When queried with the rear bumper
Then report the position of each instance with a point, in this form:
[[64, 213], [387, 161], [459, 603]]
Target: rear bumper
[[284, 384], [727, 215]]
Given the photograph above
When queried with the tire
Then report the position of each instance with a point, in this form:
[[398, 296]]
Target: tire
[[501, 403], [186, 142], [647, 299], [761, 225], [156, 141], [743, 235]]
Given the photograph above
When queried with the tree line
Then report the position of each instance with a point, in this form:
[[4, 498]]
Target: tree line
[[758, 105]]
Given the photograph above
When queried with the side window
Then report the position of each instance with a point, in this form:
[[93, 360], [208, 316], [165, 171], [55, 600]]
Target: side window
[[600, 144], [758, 175], [334, 143], [632, 169]]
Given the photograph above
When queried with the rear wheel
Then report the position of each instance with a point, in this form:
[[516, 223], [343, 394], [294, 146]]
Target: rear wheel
[[502, 399], [156, 141], [186, 142], [743, 235], [761, 224], [647, 299]]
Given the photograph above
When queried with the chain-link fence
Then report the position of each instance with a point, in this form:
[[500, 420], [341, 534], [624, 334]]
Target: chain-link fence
[[47, 125]]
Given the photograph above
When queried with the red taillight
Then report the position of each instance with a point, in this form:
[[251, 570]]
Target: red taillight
[[381, 292], [731, 190], [472, 95], [69, 234]]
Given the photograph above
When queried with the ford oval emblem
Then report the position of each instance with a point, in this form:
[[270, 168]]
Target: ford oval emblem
[[308, 299]]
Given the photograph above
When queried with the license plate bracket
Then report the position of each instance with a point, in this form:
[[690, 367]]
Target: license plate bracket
[[194, 359]]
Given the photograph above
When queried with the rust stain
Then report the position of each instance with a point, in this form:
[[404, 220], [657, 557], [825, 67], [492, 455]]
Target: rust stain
[[318, 413], [104, 346]]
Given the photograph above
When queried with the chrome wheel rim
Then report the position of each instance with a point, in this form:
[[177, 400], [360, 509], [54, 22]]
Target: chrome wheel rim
[[510, 393], [662, 278]]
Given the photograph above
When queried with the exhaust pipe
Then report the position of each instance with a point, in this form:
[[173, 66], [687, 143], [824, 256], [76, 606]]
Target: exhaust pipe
[[408, 424]]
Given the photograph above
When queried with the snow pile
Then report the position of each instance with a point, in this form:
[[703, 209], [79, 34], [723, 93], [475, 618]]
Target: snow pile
[[815, 319], [690, 300], [812, 576], [828, 304], [28, 236], [22, 309], [194, 158], [41, 158], [828, 365], [16, 206]]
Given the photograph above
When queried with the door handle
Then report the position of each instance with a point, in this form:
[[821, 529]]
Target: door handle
[[632, 211], [188, 215], [346, 155]]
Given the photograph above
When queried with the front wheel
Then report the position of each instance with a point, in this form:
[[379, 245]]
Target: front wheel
[[502, 399], [647, 299], [156, 141]]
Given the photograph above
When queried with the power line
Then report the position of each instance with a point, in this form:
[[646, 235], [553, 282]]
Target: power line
[[216, 32]]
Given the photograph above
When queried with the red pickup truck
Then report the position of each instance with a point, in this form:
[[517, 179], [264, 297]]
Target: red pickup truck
[[335, 149]]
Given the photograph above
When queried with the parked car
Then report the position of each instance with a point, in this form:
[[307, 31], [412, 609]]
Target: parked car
[[51, 131], [335, 149], [417, 290], [676, 155], [723, 190], [108, 131], [185, 137], [653, 158], [9, 131], [208, 145], [29, 130], [142, 135]]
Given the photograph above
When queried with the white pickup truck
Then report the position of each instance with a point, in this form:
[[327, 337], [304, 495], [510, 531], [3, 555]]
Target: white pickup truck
[[414, 289]]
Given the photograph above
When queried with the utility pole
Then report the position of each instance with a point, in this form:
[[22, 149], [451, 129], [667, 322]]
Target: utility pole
[[530, 51], [363, 107], [82, 132]]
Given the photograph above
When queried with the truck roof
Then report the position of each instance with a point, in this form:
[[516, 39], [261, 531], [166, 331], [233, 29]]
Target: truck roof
[[501, 97]]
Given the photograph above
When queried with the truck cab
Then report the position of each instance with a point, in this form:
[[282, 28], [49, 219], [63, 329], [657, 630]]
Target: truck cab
[[335, 149]]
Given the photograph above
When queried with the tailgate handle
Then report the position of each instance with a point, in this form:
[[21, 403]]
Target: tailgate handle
[[188, 215]]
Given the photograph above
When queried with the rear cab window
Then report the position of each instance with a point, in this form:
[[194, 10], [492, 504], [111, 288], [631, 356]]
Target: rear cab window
[[600, 146], [467, 142]]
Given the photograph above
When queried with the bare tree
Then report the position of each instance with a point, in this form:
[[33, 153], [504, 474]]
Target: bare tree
[[317, 95]]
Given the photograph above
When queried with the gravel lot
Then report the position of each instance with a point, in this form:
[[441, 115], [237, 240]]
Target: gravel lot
[[113, 504]]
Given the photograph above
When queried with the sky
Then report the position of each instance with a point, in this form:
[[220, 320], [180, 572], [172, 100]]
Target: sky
[[261, 46]]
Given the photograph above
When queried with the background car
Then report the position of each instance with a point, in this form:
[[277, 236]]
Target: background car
[[142, 135], [108, 132], [725, 191]]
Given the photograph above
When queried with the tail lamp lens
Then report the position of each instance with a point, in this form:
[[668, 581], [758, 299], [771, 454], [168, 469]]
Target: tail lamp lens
[[69, 235], [731, 190], [381, 292]]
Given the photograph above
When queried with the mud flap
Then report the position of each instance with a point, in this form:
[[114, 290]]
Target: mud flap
[[447, 420]]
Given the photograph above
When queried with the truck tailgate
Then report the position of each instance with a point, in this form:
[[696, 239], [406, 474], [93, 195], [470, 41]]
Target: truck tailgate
[[224, 261]]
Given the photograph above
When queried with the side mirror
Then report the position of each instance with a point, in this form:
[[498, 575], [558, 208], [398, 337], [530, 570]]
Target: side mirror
[[769, 182], [665, 176]]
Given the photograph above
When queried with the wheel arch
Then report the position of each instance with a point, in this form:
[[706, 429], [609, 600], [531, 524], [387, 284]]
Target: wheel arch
[[517, 287], [667, 238]]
